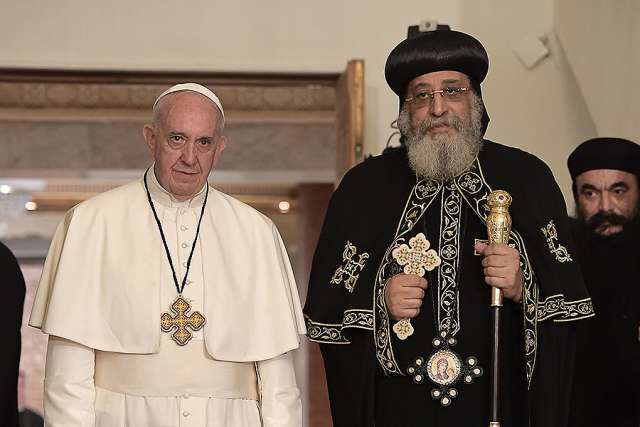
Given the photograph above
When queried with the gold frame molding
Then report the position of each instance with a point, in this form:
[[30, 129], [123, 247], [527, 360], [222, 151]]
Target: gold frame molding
[[136, 90]]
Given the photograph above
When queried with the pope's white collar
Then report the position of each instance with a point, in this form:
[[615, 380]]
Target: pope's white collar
[[165, 198]]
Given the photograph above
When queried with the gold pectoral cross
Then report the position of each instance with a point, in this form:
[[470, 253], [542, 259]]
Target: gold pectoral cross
[[416, 258], [194, 321]]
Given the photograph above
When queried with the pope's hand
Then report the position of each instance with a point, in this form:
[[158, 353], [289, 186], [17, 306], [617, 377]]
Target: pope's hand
[[403, 294], [502, 270]]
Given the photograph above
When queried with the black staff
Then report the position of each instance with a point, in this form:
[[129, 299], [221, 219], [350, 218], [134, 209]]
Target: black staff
[[498, 230]]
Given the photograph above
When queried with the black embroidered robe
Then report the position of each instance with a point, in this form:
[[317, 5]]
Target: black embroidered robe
[[379, 206], [13, 291]]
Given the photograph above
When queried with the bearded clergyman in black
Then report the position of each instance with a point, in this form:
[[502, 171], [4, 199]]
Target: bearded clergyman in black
[[606, 389], [405, 345]]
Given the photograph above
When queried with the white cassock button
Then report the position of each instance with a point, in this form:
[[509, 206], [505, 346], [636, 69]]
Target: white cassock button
[[183, 211], [184, 245], [183, 228], [184, 264], [186, 413], [186, 396]]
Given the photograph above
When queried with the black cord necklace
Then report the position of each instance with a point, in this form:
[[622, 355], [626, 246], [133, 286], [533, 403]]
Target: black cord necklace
[[179, 323]]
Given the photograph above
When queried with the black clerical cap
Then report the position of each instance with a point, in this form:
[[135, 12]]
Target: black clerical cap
[[440, 50], [605, 153]]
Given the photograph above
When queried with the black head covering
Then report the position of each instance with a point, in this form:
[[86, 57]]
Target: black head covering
[[440, 50], [605, 153]]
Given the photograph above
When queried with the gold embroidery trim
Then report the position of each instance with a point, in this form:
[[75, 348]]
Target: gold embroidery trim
[[421, 197], [551, 234], [351, 268], [333, 333], [556, 307]]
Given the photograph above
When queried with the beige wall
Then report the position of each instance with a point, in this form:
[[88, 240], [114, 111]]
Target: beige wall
[[601, 38], [540, 110]]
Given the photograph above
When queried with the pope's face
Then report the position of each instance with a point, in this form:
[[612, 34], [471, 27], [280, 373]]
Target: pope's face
[[606, 199], [439, 109], [185, 142]]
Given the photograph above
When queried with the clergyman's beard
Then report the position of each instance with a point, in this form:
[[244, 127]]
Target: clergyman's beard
[[442, 156], [593, 223]]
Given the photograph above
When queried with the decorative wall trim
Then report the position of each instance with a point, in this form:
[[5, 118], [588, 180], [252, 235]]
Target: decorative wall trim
[[33, 88], [40, 95]]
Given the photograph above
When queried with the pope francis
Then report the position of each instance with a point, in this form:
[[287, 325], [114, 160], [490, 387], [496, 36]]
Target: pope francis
[[168, 303]]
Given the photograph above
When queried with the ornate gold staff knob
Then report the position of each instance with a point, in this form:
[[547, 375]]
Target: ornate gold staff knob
[[498, 228]]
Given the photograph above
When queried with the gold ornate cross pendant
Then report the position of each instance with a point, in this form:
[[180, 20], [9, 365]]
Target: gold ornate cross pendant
[[417, 259], [194, 321]]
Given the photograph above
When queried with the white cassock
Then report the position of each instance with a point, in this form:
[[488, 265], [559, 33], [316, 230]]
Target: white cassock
[[105, 284]]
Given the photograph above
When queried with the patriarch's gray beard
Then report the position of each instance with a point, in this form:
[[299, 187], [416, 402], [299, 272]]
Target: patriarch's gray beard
[[442, 156]]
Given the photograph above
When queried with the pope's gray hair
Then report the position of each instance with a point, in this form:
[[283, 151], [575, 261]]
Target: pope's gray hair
[[160, 106]]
